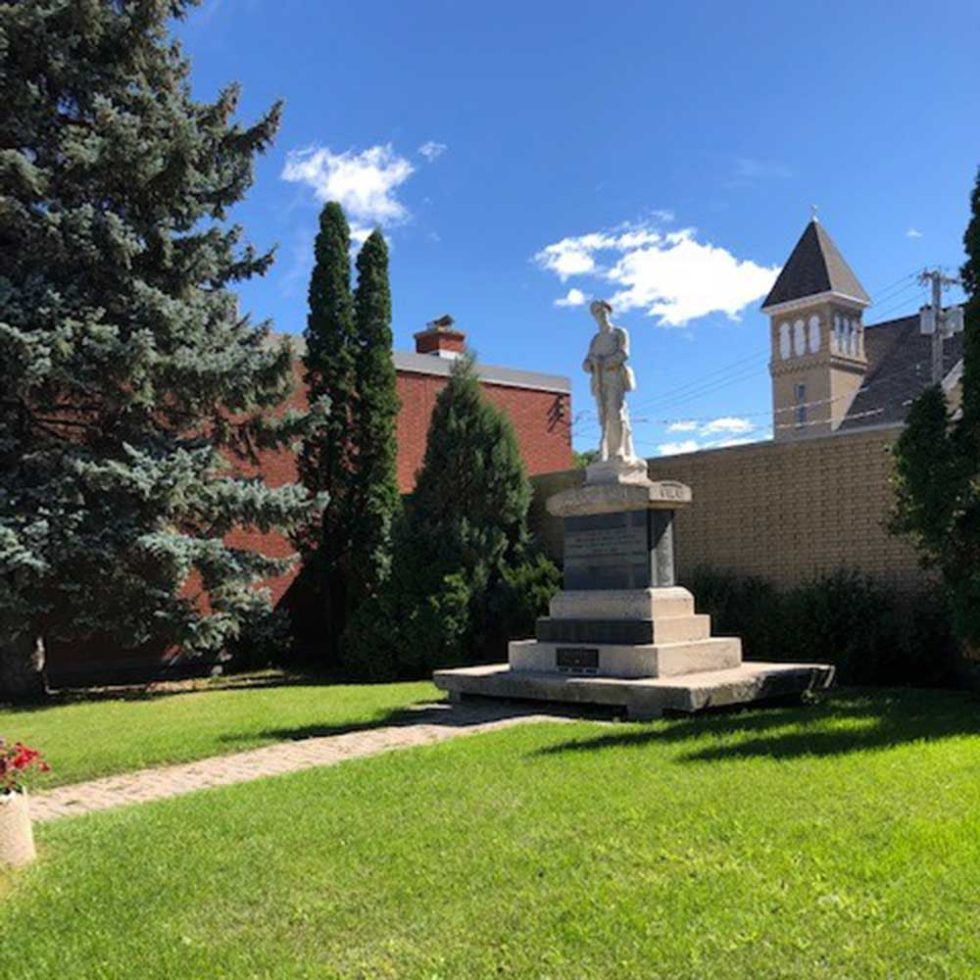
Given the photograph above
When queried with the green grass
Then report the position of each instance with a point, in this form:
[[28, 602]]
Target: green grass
[[95, 738], [835, 841]]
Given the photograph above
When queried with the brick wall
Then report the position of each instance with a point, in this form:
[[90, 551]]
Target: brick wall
[[540, 420], [785, 512]]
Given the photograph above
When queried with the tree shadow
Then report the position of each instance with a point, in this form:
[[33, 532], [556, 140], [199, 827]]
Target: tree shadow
[[852, 721], [156, 689], [442, 714]]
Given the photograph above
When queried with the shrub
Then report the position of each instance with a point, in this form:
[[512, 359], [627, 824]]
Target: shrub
[[464, 576], [871, 635]]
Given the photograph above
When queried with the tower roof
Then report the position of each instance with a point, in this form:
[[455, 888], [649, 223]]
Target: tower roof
[[815, 266]]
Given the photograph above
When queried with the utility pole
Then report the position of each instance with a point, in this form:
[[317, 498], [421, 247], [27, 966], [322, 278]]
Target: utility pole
[[940, 321]]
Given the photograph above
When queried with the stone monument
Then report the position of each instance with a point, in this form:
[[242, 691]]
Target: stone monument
[[622, 633]]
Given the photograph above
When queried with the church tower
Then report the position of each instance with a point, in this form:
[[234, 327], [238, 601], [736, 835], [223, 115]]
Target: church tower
[[818, 360]]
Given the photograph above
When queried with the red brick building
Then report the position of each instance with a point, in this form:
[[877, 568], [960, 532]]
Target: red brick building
[[538, 405]]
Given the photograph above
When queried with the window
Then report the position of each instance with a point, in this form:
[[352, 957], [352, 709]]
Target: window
[[814, 334], [800, 391], [799, 339], [784, 341]]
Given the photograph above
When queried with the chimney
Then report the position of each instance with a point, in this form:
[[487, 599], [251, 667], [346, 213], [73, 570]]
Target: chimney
[[440, 338]]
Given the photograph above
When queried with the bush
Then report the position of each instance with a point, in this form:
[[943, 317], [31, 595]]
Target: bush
[[464, 576], [871, 635]]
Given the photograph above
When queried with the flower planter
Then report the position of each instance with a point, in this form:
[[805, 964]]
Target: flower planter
[[16, 835]]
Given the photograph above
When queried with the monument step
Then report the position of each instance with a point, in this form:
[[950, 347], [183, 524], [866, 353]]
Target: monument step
[[671, 629], [626, 660], [659, 603], [642, 699]]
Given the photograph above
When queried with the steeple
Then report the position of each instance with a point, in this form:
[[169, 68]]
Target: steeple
[[815, 267], [818, 361]]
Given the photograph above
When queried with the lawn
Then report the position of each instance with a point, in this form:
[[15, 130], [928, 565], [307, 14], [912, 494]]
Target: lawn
[[834, 841], [95, 738]]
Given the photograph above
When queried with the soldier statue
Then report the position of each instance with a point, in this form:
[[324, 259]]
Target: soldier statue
[[612, 377]]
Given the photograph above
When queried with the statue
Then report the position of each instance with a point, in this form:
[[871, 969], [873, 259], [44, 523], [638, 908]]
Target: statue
[[612, 377]]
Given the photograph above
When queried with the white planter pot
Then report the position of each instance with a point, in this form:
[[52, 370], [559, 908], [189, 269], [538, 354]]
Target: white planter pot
[[16, 835]]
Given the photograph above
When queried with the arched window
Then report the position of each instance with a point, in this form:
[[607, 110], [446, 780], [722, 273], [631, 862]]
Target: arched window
[[799, 338], [784, 340], [814, 334]]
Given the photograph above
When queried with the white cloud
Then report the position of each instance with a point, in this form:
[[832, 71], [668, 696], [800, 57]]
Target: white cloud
[[432, 150], [727, 423], [676, 448], [913, 233], [670, 275], [683, 425], [574, 297], [365, 184]]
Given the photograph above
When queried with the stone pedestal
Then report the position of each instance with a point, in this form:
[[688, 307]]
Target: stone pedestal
[[622, 632]]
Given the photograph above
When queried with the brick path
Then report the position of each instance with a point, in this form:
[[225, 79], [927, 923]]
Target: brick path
[[435, 723]]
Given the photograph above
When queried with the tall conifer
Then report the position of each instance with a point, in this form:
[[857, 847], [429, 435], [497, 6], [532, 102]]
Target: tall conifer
[[128, 376], [327, 459], [375, 493], [937, 467]]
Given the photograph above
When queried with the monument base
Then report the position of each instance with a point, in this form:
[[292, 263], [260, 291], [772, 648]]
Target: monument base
[[642, 699], [622, 633]]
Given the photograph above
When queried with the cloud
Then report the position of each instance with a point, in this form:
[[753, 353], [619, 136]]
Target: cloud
[[365, 184], [913, 233], [727, 423], [574, 297], [683, 425], [672, 276], [432, 150], [676, 448]]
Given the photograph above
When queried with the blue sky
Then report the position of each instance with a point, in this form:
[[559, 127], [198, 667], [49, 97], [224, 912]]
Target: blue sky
[[525, 157]]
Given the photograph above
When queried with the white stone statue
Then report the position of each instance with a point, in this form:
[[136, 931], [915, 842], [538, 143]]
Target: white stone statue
[[612, 377]]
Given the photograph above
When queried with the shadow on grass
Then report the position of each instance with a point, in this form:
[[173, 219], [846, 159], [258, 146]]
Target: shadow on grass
[[429, 712], [848, 722], [154, 690]]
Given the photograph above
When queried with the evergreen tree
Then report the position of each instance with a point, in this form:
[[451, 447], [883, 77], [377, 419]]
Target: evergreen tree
[[937, 465], [128, 377], [327, 459], [464, 577], [375, 491]]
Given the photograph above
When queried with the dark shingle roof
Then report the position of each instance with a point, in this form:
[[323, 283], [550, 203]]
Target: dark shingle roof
[[899, 368], [815, 266]]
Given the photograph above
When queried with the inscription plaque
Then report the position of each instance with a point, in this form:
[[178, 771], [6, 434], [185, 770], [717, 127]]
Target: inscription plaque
[[578, 660], [619, 550]]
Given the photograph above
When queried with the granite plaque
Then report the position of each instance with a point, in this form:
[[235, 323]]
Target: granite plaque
[[621, 550], [579, 660]]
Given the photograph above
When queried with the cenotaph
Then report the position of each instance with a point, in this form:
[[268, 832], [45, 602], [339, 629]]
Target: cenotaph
[[622, 633]]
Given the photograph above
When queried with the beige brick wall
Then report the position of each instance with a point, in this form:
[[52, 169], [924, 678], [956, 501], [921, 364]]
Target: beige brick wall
[[782, 511]]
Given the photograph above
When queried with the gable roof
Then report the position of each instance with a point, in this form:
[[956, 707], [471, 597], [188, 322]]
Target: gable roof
[[815, 266], [899, 369]]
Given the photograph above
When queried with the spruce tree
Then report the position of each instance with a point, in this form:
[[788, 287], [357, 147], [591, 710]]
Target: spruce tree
[[937, 465], [464, 577], [128, 376], [375, 497]]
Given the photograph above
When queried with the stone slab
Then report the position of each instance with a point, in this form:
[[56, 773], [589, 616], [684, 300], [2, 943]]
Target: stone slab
[[619, 550], [622, 603], [646, 698], [626, 660], [617, 471], [606, 498], [675, 629]]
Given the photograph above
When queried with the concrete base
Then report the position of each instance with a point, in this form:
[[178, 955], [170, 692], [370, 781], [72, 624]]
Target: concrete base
[[629, 660], [644, 698]]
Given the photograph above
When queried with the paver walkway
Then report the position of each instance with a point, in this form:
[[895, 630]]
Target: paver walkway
[[434, 723]]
